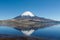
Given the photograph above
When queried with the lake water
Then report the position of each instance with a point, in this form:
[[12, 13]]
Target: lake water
[[52, 32], [6, 31]]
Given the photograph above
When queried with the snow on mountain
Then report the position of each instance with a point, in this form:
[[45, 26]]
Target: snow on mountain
[[28, 13]]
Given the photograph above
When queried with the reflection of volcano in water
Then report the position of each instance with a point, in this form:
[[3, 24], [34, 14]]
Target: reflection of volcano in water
[[8, 33]]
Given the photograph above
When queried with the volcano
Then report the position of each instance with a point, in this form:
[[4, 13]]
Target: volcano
[[27, 22]]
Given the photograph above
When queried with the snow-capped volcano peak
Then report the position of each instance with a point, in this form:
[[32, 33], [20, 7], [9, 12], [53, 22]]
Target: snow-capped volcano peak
[[28, 13]]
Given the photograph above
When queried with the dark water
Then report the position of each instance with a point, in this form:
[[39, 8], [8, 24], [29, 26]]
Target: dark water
[[52, 32], [9, 31]]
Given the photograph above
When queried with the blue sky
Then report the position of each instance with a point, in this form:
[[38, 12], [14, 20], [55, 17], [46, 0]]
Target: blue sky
[[43, 8]]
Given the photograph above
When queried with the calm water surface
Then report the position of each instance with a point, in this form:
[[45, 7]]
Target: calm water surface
[[5, 30], [49, 32], [52, 32]]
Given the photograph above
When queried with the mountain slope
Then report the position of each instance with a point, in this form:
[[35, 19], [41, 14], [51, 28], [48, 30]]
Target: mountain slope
[[28, 21]]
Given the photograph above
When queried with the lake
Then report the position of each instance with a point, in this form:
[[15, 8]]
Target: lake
[[6, 31], [52, 32]]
